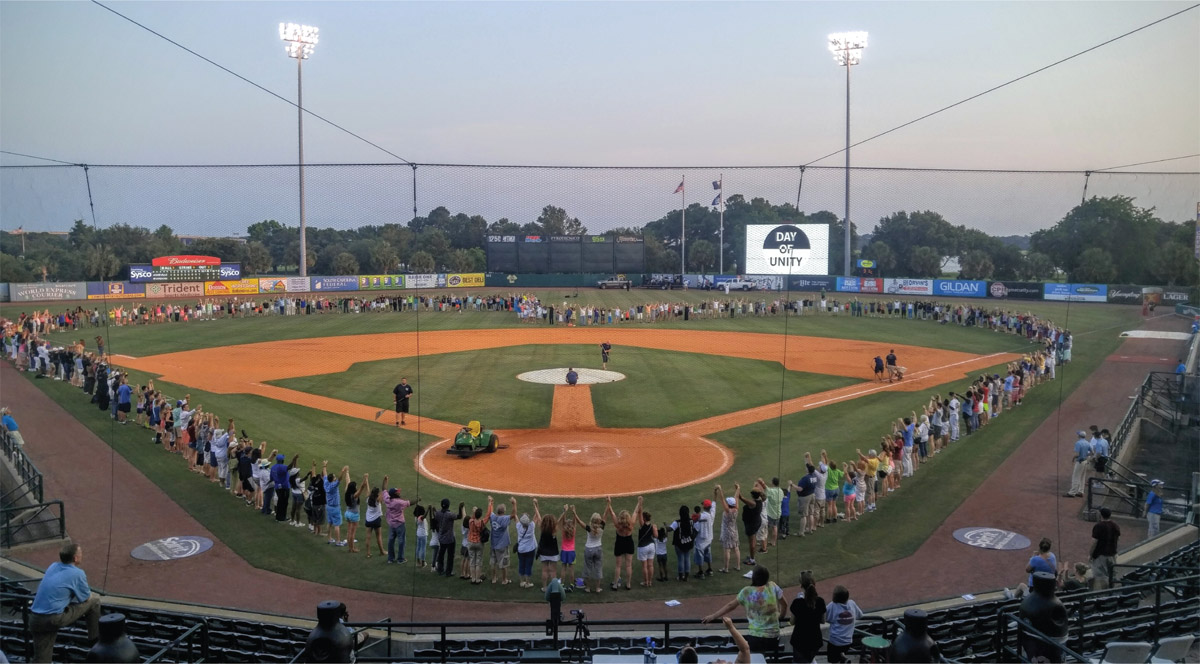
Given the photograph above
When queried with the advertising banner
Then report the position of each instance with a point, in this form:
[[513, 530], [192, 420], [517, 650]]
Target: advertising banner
[[814, 284], [114, 290], [4, 296], [1174, 296], [240, 287], [859, 285], [425, 281], [1015, 290], [1075, 292], [908, 286], [152, 272], [177, 261], [769, 282], [960, 288], [787, 249], [473, 280], [283, 284], [321, 284], [185, 289], [380, 282], [1124, 294], [72, 290]]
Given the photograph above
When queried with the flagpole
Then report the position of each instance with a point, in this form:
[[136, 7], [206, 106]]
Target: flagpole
[[721, 223], [682, 226]]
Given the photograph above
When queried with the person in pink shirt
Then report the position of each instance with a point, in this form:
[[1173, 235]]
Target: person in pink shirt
[[395, 506]]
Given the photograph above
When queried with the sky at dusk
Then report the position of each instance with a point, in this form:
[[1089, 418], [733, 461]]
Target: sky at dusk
[[648, 84]]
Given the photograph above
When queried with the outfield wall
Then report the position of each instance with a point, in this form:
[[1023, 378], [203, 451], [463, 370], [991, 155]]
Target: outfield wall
[[940, 288]]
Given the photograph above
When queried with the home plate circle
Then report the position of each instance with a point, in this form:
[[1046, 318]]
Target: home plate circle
[[559, 376]]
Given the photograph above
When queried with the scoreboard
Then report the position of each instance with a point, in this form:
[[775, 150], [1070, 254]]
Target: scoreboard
[[565, 254], [166, 269]]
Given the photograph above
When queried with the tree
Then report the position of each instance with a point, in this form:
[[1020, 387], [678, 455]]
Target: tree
[[882, 254], [256, 258], [554, 221], [345, 263], [925, 262], [504, 227], [421, 262], [702, 256], [977, 264], [382, 258], [1176, 265], [1115, 225], [100, 263], [13, 269], [461, 261], [434, 242], [1095, 266], [904, 232], [1037, 267]]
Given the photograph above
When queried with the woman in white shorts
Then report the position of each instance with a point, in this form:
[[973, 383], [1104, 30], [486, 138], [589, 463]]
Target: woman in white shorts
[[647, 533]]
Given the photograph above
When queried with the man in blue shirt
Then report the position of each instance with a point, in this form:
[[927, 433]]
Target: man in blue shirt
[[1154, 505], [124, 401], [1083, 452], [62, 598], [283, 489], [11, 426]]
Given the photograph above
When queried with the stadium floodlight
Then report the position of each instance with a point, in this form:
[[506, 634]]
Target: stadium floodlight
[[847, 49], [300, 40]]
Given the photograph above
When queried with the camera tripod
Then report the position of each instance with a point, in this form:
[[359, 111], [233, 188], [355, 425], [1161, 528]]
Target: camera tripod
[[581, 644]]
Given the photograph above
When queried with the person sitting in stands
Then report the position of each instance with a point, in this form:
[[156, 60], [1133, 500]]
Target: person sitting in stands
[[62, 597]]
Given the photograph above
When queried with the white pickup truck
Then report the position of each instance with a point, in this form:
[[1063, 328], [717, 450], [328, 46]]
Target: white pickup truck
[[738, 283], [618, 281]]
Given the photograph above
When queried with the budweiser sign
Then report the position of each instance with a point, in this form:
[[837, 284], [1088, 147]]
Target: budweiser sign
[[177, 261]]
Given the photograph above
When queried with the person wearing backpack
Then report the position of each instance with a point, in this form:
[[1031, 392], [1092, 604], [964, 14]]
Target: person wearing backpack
[[683, 539]]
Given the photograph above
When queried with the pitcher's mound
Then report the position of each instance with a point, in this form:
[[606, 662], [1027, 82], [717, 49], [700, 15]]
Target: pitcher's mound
[[559, 376]]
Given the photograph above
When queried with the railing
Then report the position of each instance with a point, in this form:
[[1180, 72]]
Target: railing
[[15, 520], [1130, 495], [201, 628], [30, 476], [1028, 636]]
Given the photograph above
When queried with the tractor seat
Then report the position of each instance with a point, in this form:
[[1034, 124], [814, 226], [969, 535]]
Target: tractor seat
[[473, 427]]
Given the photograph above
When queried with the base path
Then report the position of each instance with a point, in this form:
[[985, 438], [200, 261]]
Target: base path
[[573, 457]]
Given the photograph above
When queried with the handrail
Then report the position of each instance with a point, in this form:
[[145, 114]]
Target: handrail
[[1025, 631], [26, 469], [8, 531], [203, 627], [1171, 511]]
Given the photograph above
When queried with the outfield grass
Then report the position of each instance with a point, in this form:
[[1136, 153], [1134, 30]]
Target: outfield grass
[[765, 449], [661, 388]]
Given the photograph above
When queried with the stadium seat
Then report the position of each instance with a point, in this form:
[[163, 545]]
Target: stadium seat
[[504, 654], [427, 654], [1173, 649], [1124, 652]]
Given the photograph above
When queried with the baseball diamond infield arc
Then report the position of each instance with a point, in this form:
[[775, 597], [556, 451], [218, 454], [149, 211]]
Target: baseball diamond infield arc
[[573, 457]]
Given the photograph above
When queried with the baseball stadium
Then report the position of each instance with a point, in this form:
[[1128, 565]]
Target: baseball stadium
[[480, 413]]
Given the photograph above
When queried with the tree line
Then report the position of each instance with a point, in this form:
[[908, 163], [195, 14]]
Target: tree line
[[1102, 240]]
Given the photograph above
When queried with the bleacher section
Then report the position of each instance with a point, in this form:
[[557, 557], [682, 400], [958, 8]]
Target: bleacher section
[[1151, 602]]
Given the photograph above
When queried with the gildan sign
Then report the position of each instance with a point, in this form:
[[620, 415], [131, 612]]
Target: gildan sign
[[1075, 292], [960, 288], [787, 249], [908, 286]]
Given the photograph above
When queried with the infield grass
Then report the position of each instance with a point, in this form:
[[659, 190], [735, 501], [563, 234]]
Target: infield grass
[[765, 449]]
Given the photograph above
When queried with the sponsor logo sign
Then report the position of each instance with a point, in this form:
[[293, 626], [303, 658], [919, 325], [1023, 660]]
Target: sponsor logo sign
[[1174, 296], [787, 249], [502, 238], [231, 271], [533, 238], [960, 288], [425, 281], [172, 548], [595, 239], [473, 280], [908, 286], [114, 290], [283, 285], [865, 263], [860, 285], [380, 282], [1075, 292], [991, 538], [812, 283], [628, 238], [320, 284], [238, 287], [74, 290], [176, 261], [1125, 294], [566, 238], [1015, 290], [185, 289]]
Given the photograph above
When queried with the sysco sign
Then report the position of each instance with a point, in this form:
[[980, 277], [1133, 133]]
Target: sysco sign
[[231, 271]]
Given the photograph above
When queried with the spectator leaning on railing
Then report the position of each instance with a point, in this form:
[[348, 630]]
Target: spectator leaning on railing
[[10, 425], [62, 597]]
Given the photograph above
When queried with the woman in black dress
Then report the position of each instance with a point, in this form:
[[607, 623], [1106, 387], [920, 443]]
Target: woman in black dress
[[752, 508], [808, 614]]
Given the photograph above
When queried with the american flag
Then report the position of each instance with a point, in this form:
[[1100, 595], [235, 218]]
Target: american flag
[[679, 188]]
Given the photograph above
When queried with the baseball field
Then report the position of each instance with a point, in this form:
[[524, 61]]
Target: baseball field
[[698, 403]]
